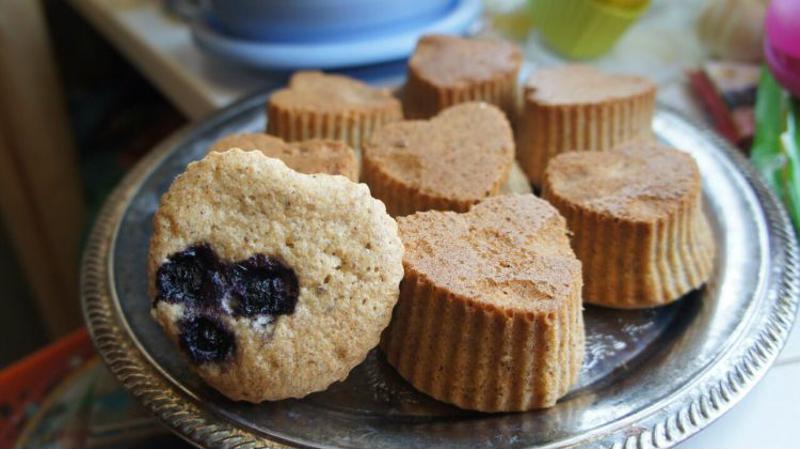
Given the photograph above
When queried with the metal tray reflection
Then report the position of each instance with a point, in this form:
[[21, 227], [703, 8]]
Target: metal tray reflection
[[650, 379]]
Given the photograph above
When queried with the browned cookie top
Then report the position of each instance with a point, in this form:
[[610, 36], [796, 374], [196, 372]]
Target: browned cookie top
[[311, 156], [450, 60], [642, 182], [578, 84], [508, 252], [317, 91], [461, 154]]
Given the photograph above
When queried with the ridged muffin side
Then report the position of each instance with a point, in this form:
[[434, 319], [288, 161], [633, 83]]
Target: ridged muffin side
[[318, 105], [353, 127], [448, 70], [577, 108], [545, 131], [643, 243], [402, 198], [423, 99], [479, 357], [630, 265]]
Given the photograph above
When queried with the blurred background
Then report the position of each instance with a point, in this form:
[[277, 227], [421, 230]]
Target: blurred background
[[89, 86]]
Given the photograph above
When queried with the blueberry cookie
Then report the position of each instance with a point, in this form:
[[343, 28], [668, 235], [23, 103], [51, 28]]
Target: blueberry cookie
[[273, 283]]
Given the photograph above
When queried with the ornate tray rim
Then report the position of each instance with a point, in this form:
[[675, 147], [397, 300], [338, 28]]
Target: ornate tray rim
[[704, 400]]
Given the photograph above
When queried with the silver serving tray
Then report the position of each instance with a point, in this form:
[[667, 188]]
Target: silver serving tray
[[650, 379]]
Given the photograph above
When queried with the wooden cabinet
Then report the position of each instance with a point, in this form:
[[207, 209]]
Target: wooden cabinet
[[41, 200]]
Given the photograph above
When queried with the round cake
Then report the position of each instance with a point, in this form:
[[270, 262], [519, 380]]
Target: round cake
[[318, 105], [274, 284], [447, 70], [636, 215], [310, 156], [578, 108], [490, 312], [450, 162]]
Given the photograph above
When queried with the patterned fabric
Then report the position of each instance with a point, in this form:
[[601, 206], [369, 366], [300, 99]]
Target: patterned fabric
[[63, 397]]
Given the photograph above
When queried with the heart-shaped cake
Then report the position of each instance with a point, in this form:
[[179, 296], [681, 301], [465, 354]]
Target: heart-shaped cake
[[636, 214], [325, 106], [310, 156], [489, 316], [447, 70], [450, 162]]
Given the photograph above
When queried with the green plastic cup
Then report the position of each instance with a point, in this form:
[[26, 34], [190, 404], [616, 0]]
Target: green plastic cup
[[584, 29]]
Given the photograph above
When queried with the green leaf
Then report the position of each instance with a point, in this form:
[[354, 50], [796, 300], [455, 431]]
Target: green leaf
[[770, 112], [790, 144]]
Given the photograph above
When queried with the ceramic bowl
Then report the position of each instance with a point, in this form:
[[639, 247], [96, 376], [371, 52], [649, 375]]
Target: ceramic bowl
[[321, 20]]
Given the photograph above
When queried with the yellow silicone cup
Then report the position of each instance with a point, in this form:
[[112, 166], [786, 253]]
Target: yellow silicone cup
[[583, 29], [635, 4]]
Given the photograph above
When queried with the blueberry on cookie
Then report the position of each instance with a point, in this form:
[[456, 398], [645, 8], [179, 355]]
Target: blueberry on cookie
[[205, 339], [263, 285], [193, 275]]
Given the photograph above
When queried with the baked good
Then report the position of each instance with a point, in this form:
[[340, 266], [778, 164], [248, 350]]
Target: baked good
[[273, 283], [637, 220], [447, 70], [309, 156], [577, 108], [489, 316], [319, 105], [452, 161], [517, 181]]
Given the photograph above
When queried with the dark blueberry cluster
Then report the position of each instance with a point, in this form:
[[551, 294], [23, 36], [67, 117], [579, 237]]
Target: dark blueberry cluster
[[206, 339], [263, 286], [196, 277]]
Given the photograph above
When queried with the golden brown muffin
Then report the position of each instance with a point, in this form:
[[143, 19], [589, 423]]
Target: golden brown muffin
[[451, 162], [318, 105], [447, 70], [637, 220], [578, 108], [273, 283], [489, 316], [310, 156]]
